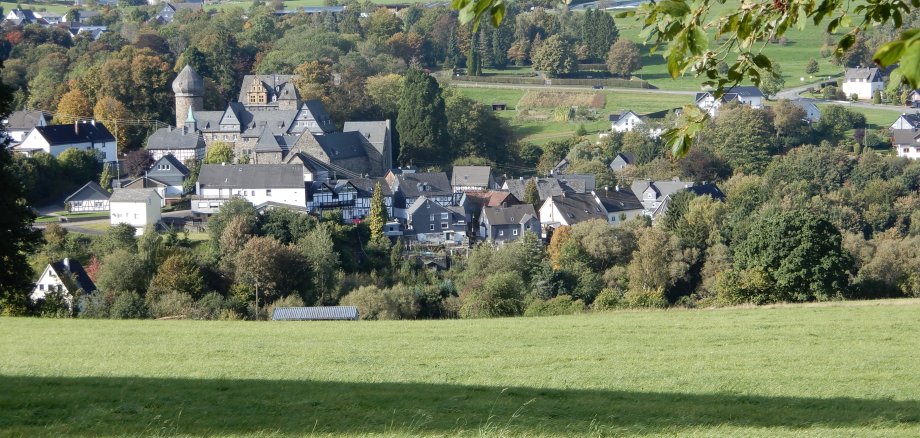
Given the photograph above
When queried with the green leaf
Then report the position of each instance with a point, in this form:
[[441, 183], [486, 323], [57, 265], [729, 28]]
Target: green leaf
[[697, 40], [910, 64], [498, 13], [889, 53], [762, 61], [674, 8]]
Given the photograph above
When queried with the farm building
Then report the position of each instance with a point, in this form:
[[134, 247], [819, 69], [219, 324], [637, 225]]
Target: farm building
[[324, 313], [90, 197]]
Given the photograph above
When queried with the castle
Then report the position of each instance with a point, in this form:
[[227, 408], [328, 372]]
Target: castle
[[270, 124]]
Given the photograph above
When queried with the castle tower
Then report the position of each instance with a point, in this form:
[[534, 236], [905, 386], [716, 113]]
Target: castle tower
[[189, 89]]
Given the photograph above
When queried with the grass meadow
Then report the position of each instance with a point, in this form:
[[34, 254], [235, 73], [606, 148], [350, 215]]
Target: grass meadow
[[843, 369]]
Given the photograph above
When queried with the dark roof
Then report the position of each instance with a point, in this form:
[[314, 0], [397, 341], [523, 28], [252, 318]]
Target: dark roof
[[546, 187], [578, 207], [514, 214], [252, 176], [578, 182], [326, 313], [90, 191], [366, 186], [425, 183], [188, 81], [70, 266], [342, 145], [82, 132], [912, 119], [866, 74], [174, 162], [174, 138], [707, 189], [132, 195], [745, 91], [471, 176], [904, 137], [618, 199], [26, 120]]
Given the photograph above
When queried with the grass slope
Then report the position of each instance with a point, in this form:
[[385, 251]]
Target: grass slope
[[832, 370]]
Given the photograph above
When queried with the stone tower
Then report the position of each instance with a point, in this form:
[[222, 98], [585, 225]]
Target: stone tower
[[189, 89]]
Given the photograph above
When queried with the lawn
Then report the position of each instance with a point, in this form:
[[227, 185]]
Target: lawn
[[847, 369], [291, 4], [59, 214], [59, 8], [880, 117]]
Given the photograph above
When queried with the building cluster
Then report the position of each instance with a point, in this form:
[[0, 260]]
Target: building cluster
[[73, 22]]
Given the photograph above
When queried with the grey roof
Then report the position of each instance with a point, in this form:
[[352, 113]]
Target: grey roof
[[268, 143], [366, 186], [342, 145], [66, 267], [662, 188], [26, 120], [546, 187], [424, 183], [904, 137], [514, 214], [734, 93], [375, 132], [912, 119], [81, 132], [478, 176], [132, 195], [188, 81], [616, 117], [865, 74], [617, 199], [273, 83], [578, 207], [90, 191], [578, 182], [252, 176], [174, 162], [170, 138], [327, 313]]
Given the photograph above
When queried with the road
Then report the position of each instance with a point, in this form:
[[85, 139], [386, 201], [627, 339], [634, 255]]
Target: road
[[82, 226], [466, 84]]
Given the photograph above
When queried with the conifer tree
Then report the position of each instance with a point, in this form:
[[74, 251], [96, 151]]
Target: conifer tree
[[377, 217], [421, 122]]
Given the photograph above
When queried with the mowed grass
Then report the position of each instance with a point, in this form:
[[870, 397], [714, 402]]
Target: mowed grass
[[50, 7], [846, 369]]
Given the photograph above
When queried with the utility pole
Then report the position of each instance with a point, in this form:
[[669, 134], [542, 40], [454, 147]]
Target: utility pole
[[257, 300]]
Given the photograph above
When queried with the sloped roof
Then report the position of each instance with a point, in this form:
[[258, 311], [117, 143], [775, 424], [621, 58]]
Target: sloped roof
[[514, 214], [424, 183], [341, 145], [471, 176], [252, 176], [546, 187], [912, 119], [90, 191], [615, 200], [26, 120], [617, 117], [132, 195], [905, 137], [865, 74], [75, 133], [66, 267], [578, 207], [188, 81], [366, 186], [173, 139], [578, 182], [174, 162], [325, 313], [491, 198], [375, 132], [274, 83]]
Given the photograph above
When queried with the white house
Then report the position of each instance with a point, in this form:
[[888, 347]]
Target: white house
[[464, 178], [20, 123], [745, 95], [812, 112], [907, 121], [862, 82], [65, 277], [55, 139], [906, 142], [135, 207], [570, 209], [90, 197], [625, 121], [257, 183]]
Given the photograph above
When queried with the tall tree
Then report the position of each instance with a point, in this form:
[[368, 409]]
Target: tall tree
[[73, 106], [531, 194], [219, 153], [554, 57], [111, 112], [598, 32], [623, 58], [422, 123], [377, 218]]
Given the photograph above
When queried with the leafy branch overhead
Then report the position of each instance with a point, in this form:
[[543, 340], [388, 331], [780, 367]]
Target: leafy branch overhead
[[680, 29]]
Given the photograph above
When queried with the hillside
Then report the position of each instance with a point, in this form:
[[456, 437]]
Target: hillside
[[841, 369]]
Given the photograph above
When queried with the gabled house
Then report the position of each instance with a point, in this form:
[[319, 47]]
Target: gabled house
[[546, 187], [570, 209], [257, 183], [146, 182], [170, 171], [464, 178], [812, 112], [906, 142], [135, 207], [22, 17], [378, 137], [626, 121], [561, 167], [313, 169], [744, 95], [54, 139], [20, 123], [90, 197], [473, 202], [507, 224], [431, 222], [620, 204], [622, 160], [184, 143], [409, 187], [365, 194], [656, 195], [168, 13], [65, 277], [333, 195], [907, 121], [863, 82], [913, 98]]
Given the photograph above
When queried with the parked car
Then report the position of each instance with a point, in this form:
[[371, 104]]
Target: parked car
[[598, 87]]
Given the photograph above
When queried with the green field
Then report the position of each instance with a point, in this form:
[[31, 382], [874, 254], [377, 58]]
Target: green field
[[880, 117], [846, 369], [50, 7], [56, 217]]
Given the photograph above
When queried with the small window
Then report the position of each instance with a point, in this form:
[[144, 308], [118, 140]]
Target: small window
[[432, 217], [444, 216], [431, 227], [443, 225], [268, 192], [41, 287], [514, 232], [501, 232]]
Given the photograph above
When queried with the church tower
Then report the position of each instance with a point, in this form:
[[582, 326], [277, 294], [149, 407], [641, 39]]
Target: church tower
[[189, 90]]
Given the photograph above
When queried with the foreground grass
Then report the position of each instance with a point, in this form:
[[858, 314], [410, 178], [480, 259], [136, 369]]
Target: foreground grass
[[839, 370]]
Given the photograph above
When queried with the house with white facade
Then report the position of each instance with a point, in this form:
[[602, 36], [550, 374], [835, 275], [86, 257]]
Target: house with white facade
[[863, 82], [907, 121], [913, 98], [20, 123], [744, 95], [65, 277], [655, 196], [257, 183], [55, 139], [507, 224], [620, 204], [465, 178], [89, 198], [409, 186], [135, 207], [812, 112], [185, 143], [906, 142], [569, 209], [625, 121]]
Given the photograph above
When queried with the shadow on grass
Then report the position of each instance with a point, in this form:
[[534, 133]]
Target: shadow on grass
[[131, 406]]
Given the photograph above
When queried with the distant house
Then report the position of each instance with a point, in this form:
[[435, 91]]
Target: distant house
[[257, 183], [913, 98], [168, 13], [89, 198], [656, 195], [92, 32], [333, 195], [812, 112], [465, 178], [432, 222], [169, 170], [20, 123], [744, 95], [907, 121], [365, 193], [184, 143], [313, 169], [55, 139], [310, 10], [570, 209], [377, 136], [507, 224], [620, 204], [65, 277], [472, 203], [135, 207], [622, 160], [906, 142], [546, 187], [325, 313], [409, 187], [561, 167], [22, 17], [625, 121], [863, 82]]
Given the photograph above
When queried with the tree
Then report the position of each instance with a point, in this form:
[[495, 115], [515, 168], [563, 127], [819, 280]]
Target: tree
[[116, 237], [79, 165], [105, 178], [555, 57], [219, 152], [122, 271], [836, 121], [598, 33], [178, 273], [318, 249], [235, 207], [641, 145], [659, 262], [772, 82], [314, 79], [109, 111], [531, 193], [377, 217], [743, 136], [422, 122], [385, 91], [73, 106], [812, 67], [501, 294], [623, 58], [137, 162], [17, 238], [276, 269]]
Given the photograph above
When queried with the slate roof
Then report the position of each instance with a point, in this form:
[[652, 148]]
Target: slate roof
[[188, 81], [325, 313], [478, 176], [174, 162], [865, 74], [374, 132], [366, 186], [342, 145], [905, 137], [614, 200], [274, 83], [252, 176], [90, 191], [82, 132], [546, 187], [174, 139], [66, 267], [707, 189], [912, 119], [132, 195], [424, 183], [25, 120], [734, 93], [514, 214], [578, 182], [578, 207]]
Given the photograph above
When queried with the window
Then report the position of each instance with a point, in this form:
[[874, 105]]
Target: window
[[501, 232], [444, 216], [514, 232], [41, 287], [432, 217], [431, 227], [443, 225], [268, 192]]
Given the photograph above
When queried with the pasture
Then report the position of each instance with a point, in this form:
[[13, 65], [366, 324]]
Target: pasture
[[839, 369]]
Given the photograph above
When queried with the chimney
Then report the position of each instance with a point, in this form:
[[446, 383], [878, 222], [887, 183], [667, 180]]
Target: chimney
[[76, 127], [618, 187], [66, 264], [93, 122]]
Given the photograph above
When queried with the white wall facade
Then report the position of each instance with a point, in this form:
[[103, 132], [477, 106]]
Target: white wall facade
[[47, 283], [861, 88], [901, 123], [136, 214], [182, 155], [626, 124], [35, 141], [912, 152]]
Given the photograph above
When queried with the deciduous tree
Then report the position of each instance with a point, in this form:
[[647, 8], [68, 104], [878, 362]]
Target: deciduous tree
[[623, 58]]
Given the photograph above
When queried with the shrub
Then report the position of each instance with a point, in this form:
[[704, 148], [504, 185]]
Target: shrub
[[209, 306], [97, 305], [561, 305], [610, 298], [288, 301], [372, 302], [646, 297], [172, 304], [128, 305], [500, 294]]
